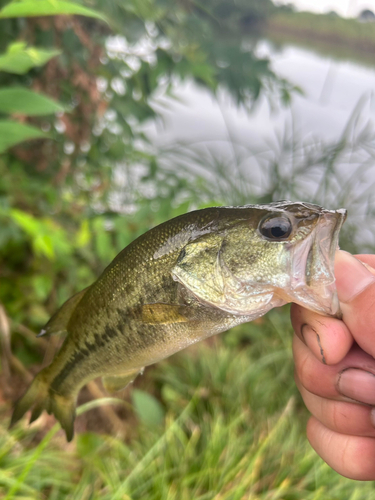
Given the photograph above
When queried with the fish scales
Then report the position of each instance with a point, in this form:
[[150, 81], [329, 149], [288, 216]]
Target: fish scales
[[184, 280], [113, 333]]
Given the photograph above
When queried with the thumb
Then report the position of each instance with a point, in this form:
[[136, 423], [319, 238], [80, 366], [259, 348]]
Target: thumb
[[355, 283]]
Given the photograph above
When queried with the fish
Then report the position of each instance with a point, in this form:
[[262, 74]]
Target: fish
[[182, 281]]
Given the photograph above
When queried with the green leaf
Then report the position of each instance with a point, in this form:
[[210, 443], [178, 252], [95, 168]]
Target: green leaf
[[42, 242], [148, 408], [103, 240], [47, 238], [83, 236], [43, 245], [28, 222], [27, 102], [42, 285], [32, 8], [12, 133], [19, 59]]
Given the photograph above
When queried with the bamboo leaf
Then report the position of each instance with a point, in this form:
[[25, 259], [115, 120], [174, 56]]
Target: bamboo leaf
[[27, 102], [12, 133]]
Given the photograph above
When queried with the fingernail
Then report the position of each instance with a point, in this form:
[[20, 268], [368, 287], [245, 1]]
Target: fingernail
[[358, 385], [352, 277], [312, 340]]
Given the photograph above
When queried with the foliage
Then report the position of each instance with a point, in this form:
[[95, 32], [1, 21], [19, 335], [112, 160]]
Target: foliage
[[233, 14], [89, 183], [18, 59], [29, 8]]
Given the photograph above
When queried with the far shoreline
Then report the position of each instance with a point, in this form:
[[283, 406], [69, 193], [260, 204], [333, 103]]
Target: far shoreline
[[330, 35]]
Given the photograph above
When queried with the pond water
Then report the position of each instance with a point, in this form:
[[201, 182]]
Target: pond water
[[331, 90], [336, 100]]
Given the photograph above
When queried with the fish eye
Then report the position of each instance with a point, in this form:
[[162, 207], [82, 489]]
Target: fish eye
[[275, 228]]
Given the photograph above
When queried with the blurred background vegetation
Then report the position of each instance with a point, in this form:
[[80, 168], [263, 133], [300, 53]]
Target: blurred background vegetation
[[108, 126]]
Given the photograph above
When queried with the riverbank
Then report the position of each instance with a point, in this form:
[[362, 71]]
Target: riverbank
[[328, 34]]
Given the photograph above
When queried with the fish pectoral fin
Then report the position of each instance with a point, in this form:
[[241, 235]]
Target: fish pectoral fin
[[114, 383], [159, 313], [59, 321]]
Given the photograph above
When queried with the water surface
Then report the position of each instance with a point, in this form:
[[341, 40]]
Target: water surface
[[331, 90]]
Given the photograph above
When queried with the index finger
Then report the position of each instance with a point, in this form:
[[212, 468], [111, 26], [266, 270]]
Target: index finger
[[330, 339]]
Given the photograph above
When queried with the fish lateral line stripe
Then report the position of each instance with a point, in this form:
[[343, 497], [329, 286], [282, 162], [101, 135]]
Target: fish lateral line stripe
[[84, 352], [61, 376]]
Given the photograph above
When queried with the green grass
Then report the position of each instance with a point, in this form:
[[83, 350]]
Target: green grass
[[233, 430]]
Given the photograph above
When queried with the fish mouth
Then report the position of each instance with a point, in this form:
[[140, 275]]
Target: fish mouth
[[313, 280]]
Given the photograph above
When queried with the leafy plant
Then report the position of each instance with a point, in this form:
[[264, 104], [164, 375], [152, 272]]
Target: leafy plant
[[19, 59], [70, 202]]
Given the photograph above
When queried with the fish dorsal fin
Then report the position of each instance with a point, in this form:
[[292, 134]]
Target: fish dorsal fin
[[198, 268], [114, 383], [59, 321]]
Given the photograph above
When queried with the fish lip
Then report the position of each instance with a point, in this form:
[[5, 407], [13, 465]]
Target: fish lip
[[339, 217], [313, 281]]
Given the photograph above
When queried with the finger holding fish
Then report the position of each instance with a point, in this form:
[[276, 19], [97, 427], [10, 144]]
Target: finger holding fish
[[351, 456], [345, 347], [343, 417], [341, 394], [341, 399], [352, 379], [355, 281], [330, 340]]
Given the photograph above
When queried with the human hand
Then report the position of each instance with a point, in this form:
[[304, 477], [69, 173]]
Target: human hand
[[335, 370]]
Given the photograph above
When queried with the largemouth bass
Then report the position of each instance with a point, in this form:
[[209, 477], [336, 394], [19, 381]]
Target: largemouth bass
[[183, 281]]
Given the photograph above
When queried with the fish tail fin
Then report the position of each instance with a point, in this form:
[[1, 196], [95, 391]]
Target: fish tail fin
[[40, 397]]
